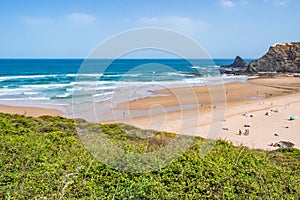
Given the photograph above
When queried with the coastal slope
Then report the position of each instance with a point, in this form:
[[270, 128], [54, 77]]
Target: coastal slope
[[43, 158], [283, 57]]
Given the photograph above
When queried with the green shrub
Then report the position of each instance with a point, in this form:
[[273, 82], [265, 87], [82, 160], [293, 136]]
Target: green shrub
[[44, 158]]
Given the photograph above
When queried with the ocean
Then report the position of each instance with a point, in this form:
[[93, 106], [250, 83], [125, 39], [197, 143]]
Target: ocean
[[59, 83]]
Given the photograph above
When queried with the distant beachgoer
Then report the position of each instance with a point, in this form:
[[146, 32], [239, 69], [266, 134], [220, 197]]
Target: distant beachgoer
[[240, 132], [247, 131], [267, 113], [247, 125]]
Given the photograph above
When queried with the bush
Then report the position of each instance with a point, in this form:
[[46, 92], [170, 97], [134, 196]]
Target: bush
[[44, 158]]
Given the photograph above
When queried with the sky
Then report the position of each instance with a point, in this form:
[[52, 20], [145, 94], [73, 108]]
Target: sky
[[73, 28]]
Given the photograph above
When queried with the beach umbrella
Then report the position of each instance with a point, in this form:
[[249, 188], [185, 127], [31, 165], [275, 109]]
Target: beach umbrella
[[293, 117]]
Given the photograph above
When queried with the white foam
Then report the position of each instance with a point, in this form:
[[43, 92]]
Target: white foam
[[126, 75], [86, 83], [103, 94], [13, 90], [113, 75], [45, 86], [38, 98], [24, 99], [64, 95], [30, 93], [174, 74], [3, 78], [90, 88], [84, 75]]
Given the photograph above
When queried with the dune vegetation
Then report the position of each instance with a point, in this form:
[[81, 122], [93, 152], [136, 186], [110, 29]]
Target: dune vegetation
[[44, 158]]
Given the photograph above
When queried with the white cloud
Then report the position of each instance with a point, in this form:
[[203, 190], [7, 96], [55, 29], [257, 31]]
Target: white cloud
[[35, 20], [81, 18], [227, 3], [179, 23]]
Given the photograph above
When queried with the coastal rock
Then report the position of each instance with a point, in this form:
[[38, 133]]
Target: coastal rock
[[238, 63], [283, 144], [239, 66], [280, 58]]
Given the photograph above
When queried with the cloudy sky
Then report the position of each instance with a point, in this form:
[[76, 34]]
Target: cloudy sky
[[71, 29]]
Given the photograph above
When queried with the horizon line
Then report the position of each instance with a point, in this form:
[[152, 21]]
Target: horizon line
[[69, 58]]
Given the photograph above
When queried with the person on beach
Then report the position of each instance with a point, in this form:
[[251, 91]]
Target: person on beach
[[247, 131]]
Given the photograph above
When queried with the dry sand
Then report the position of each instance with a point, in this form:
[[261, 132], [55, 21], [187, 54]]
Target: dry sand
[[29, 111], [255, 97]]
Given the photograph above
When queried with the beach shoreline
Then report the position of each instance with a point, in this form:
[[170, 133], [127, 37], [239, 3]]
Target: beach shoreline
[[246, 103]]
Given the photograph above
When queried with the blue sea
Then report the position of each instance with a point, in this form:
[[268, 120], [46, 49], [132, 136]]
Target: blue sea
[[57, 83]]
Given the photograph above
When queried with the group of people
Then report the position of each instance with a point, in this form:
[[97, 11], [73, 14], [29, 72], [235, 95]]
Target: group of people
[[246, 132]]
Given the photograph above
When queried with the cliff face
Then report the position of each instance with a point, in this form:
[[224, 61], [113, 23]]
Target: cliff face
[[284, 57]]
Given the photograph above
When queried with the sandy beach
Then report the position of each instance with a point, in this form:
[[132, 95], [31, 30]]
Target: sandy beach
[[264, 104], [29, 111]]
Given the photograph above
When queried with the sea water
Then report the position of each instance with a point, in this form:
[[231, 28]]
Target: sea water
[[61, 83]]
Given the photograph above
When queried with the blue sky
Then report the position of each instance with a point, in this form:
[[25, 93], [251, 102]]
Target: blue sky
[[71, 29]]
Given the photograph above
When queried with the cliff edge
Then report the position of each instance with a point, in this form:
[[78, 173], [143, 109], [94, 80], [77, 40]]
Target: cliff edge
[[281, 58]]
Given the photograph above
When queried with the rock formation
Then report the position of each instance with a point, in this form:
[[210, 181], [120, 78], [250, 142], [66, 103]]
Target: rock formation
[[284, 57], [239, 66], [238, 63], [281, 58]]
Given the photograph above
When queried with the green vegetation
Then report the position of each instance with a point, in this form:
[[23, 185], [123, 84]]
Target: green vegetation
[[43, 158]]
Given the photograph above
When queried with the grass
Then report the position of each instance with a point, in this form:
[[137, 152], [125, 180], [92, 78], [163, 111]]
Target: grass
[[44, 158]]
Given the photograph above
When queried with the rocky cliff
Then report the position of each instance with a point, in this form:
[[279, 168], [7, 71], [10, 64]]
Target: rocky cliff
[[284, 57]]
